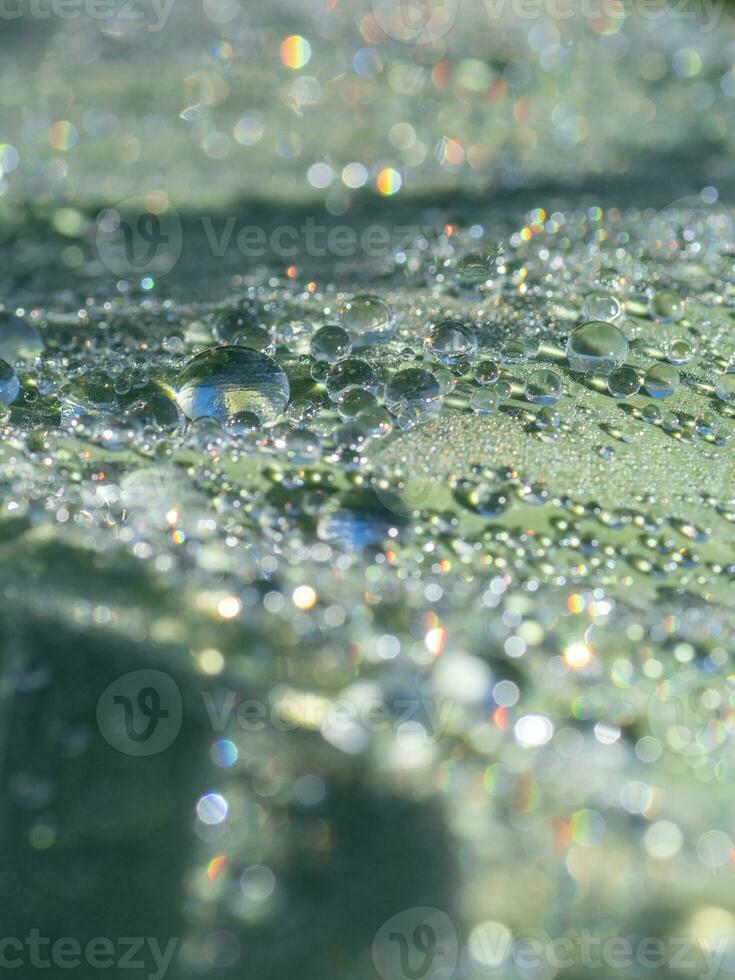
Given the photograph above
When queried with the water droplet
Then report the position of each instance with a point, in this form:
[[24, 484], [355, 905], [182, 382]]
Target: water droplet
[[666, 306], [661, 380], [447, 381], [301, 411], [368, 320], [294, 334], [473, 270], [516, 352], [451, 342], [319, 371], [548, 419], [256, 338], [227, 324], [596, 346], [679, 351], [503, 389], [484, 401], [725, 386], [19, 340], [624, 381], [354, 401], [543, 387], [706, 423], [156, 409], [331, 344], [224, 381], [243, 424], [602, 306], [9, 383], [486, 372], [376, 422], [87, 397], [413, 392], [299, 446], [350, 373]]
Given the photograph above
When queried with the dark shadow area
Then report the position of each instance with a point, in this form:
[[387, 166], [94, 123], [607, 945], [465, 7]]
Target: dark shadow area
[[218, 252]]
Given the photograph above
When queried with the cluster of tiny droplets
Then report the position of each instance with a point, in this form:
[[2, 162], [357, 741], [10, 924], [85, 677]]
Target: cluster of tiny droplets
[[411, 471]]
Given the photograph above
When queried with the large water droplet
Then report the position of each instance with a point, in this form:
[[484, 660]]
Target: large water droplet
[[484, 401], [227, 324], [451, 341], [224, 381], [666, 306], [19, 341], [348, 374], [602, 306], [543, 387], [368, 320], [256, 338], [486, 372], [414, 392], [623, 381], [725, 386], [474, 270], [331, 344], [9, 384], [596, 346], [661, 380], [679, 351]]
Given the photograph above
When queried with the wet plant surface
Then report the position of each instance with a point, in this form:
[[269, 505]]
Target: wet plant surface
[[367, 490], [461, 546]]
